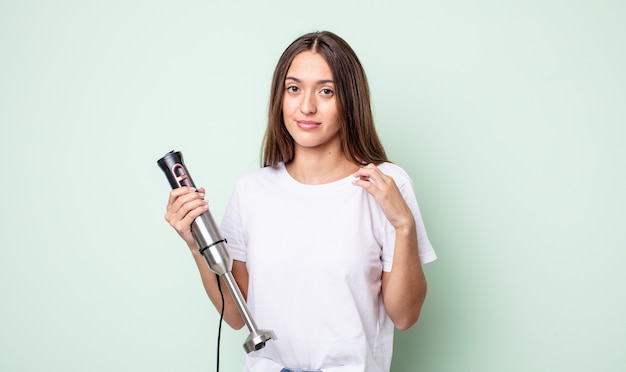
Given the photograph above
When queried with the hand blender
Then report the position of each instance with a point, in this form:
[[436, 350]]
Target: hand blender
[[213, 248]]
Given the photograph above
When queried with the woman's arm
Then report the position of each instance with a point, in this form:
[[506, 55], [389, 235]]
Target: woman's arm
[[404, 287], [184, 205], [209, 280]]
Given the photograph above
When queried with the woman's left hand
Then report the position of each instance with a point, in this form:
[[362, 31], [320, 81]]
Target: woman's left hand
[[404, 287], [384, 189]]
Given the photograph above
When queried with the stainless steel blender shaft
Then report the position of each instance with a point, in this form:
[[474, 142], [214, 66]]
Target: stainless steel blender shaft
[[219, 261], [213, 248]]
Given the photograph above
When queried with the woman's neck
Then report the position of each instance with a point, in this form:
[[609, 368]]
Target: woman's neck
[[316, 168]]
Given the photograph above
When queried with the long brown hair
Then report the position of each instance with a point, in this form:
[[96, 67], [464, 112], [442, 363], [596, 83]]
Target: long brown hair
[[359, 140]]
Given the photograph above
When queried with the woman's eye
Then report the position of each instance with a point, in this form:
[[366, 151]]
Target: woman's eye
[[292, 88], [327, 92]]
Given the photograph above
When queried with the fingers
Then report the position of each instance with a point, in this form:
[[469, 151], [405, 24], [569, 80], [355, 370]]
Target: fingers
[[183, 202], [183, 207], [372, 179], [384, 189], [175, 194], [188, 192]]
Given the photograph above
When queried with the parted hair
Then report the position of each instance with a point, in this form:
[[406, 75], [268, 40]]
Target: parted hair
[[359, 140]]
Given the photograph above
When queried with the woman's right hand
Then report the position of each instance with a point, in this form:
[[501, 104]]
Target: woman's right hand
[[183, 206]]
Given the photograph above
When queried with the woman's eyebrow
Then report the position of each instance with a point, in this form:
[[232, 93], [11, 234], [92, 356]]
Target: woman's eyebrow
[[324, 81]]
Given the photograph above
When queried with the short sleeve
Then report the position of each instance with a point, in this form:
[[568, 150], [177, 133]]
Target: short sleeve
[[405, 185], [232, 227]]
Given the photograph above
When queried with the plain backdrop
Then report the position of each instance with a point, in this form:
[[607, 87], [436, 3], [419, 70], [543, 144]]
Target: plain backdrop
[[510, 116]]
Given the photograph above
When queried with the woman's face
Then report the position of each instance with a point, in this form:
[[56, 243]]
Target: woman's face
[[309, 103]]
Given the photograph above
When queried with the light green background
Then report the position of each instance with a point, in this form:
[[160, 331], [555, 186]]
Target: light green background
[[509, 115]]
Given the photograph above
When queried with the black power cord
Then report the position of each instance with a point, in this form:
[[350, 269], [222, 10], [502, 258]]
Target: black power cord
[[219, 329]]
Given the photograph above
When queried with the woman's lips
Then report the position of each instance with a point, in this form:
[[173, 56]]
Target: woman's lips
[[307, 124]]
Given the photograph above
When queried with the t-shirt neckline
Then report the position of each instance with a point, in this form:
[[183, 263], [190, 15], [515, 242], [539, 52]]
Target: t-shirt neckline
[[283, 171]]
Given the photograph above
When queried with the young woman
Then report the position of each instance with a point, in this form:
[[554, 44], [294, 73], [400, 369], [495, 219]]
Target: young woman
[[327, 238]]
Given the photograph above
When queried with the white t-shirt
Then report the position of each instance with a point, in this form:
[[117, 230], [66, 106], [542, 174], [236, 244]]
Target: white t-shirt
[[315, 256]]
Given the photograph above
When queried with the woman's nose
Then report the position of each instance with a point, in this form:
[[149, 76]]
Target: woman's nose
[[308, 105]]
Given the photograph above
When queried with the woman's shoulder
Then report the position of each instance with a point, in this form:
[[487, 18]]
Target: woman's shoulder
[[395, 171], [263, 174]]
